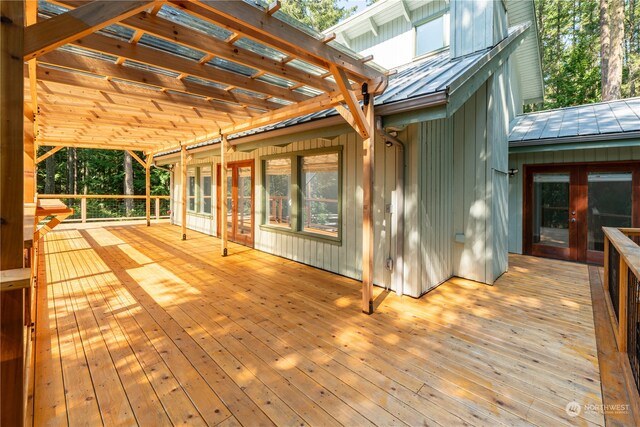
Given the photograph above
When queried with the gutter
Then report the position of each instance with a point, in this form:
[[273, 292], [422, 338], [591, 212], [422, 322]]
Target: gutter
[[399, 217]]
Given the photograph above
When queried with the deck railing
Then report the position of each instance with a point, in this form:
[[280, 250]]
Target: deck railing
[[95, 207], [622, 281]]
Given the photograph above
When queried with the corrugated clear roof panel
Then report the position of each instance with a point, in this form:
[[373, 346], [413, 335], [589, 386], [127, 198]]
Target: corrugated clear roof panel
[[173, 48], [306, 67], [259, 48], [280, 101], [190, 21], [145, 67], [205, 82], [50, 8], [249, 93], [232, 66], [275, 80], [306, 90], [89, 53], [118, 31]]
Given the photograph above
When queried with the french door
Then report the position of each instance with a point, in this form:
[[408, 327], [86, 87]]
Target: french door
[[566, 206], [240, 202]]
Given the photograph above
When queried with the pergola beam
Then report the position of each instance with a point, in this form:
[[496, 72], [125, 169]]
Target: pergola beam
[[103, 68], [255, 23], [180, 65], [79, 81], [48, 154], [351, 101], [59, 30]]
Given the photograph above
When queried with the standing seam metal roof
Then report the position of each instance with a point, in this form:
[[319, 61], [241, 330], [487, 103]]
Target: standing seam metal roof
[[612, 118]]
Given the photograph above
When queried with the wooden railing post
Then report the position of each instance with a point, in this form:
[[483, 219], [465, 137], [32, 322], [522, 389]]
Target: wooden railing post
[[606, 263], [623, 280], [83, 209], [157, 207], [223, 196]]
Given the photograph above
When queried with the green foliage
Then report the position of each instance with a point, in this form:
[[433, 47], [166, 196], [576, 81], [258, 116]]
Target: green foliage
[[318, 14], [101, 172], [569, 32]]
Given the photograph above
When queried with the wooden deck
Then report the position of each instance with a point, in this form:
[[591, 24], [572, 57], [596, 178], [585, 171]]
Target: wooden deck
[[138, 327]]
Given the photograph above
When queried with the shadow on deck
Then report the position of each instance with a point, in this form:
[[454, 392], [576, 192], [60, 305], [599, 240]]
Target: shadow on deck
[[138, 327]]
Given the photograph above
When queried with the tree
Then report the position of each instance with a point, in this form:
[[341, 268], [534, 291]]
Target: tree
[[605, 42], [318, 14], [50, 164], [611, 88]]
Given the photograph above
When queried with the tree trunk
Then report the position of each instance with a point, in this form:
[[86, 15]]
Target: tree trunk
[[614, 78], [72, 171], [605, 47], [49, 182], [632, 51], [128, 182]]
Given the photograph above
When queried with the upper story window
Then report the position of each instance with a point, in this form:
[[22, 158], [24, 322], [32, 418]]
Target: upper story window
[[432, 35]]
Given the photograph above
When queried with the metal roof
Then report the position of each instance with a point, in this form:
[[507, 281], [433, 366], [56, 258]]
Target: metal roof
[[583, 123], [430, 76], [427, 76]]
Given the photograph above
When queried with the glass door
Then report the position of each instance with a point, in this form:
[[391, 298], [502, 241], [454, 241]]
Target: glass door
[[553, 215], [566, 207], [610, 204], [240, 202]]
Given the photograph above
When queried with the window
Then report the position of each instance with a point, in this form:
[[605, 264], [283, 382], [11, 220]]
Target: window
[[278, 192], [302, 193], [191, 193], [320, 194], [205, 189], [432, 35]]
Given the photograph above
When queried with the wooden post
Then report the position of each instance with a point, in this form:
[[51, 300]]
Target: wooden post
[[367, 211], [83, 209], [29, 155], [148, 188], [606, 263], [12, 407], [623, 277], [157, 208], [223, 196], [183, 169]]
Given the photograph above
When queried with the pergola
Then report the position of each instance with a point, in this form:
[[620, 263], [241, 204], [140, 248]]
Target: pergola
[[153, 76]]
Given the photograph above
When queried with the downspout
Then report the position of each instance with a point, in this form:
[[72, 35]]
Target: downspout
[[391, 140]]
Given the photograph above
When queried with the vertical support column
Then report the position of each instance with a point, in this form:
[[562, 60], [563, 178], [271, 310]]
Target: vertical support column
[[223, 195], [29, 155], [183, 170], [12, 303], [367, 211], [148, 188], [83, 209]]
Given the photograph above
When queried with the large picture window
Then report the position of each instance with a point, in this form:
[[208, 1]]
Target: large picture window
[[432, 35], [320, 179], [302, 193], [205, 189], [278, 191]]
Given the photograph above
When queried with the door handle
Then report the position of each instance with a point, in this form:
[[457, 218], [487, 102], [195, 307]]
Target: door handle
[[573, 220]]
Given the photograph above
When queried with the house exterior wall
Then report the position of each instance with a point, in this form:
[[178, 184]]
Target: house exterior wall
[[344, 258], [480, 170], [395, 43], [516, 183], [476, 24]]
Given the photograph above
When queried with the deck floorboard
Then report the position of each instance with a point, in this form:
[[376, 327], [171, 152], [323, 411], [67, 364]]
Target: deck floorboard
[[136, 327]]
